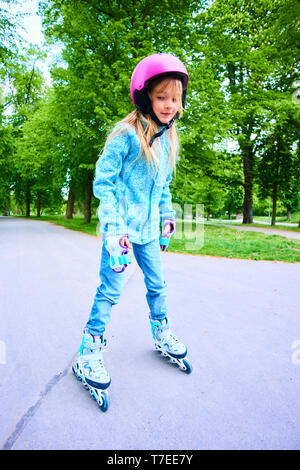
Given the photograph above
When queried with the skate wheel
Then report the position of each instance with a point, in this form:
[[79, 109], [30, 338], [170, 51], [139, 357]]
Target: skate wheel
[[74, 369], [105, 401], [188, 368]]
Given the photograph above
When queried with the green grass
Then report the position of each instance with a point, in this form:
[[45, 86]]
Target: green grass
[[295, 217], [218, 241], [277, 227], [263, 222], [229, 243], [76, 223]]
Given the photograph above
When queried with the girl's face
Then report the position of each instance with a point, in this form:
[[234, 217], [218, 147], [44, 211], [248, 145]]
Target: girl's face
[[166, 99]]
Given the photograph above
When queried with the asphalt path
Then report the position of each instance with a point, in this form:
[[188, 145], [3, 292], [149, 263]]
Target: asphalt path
[[269, 231], [239, 319]]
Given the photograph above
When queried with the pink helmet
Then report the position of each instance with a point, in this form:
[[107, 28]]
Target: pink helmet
[[150, 68]]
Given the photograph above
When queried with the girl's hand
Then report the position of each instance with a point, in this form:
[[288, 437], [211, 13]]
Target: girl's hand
[[167, 230], [165, 234], [126, 243], [118, 257]]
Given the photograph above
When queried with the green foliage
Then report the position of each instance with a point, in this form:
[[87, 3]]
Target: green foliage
[[243, 61]]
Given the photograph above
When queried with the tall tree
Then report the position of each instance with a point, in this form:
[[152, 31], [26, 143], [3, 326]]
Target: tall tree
[[103, 41], [278, 168], [237, 42], [25, 90]]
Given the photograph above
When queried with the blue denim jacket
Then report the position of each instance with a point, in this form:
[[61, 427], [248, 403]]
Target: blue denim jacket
[[133, 199]]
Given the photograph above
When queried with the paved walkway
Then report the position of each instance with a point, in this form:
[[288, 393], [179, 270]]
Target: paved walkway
[[270, 231], [239, 319]]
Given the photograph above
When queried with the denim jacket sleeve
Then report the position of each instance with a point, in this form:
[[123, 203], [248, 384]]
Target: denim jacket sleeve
[[108, 169]]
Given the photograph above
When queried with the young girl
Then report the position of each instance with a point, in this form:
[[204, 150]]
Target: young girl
[[132, 182]]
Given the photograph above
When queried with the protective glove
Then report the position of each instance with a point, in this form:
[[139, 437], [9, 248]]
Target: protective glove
[[167, 231], [119, 256]]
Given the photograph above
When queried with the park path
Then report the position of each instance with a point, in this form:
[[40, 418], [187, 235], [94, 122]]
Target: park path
[[239, 318], [270, 231]]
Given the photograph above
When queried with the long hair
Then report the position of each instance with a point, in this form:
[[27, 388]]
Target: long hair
[[145, 128]]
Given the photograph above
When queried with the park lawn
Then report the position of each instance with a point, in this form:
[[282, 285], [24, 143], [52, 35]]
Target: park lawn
[[77, 223], [295, 217], [229, 243], [277, 227], [218, 241]]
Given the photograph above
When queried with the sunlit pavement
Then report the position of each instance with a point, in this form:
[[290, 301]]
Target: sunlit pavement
[[239, 319]]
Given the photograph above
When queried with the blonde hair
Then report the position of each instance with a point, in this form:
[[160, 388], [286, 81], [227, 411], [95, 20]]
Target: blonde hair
[[145, 128]]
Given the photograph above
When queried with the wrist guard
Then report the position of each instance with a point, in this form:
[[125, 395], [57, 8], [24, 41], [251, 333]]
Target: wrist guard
[[119, 256]]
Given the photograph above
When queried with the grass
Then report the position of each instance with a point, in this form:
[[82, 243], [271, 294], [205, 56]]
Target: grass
[[229, 243], [264, 222], [295, 217], [261, 225], [76, 223], [218, 241]]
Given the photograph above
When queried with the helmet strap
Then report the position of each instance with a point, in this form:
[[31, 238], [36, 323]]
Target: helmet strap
[[165, 127], [145, 106]]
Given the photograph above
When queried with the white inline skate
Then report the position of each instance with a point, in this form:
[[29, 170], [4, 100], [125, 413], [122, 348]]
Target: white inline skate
[[89, 368], [169, 345]]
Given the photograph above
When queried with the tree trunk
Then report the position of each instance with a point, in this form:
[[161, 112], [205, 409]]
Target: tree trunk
[[275, 179], [88, 200], [288, 213], [248, 186], [28, 202], [38, 205], [274, 203], [70, 204], [8, 204]]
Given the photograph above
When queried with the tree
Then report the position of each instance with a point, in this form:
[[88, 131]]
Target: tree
[[6, 166], [277, 168], [8, 48], [26, 89], [8, 52], [237, 42], [36, 155], [103, 43]]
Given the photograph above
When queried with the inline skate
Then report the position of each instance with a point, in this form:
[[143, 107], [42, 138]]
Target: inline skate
[[169, 345], [90, 370]]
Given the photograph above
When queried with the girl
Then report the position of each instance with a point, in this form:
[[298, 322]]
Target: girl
[[132, 182]]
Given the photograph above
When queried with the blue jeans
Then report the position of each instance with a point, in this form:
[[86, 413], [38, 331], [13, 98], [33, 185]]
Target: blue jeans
[[148, 257]]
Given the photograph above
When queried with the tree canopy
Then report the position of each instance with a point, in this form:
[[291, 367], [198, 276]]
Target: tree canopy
[[240, 130]]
